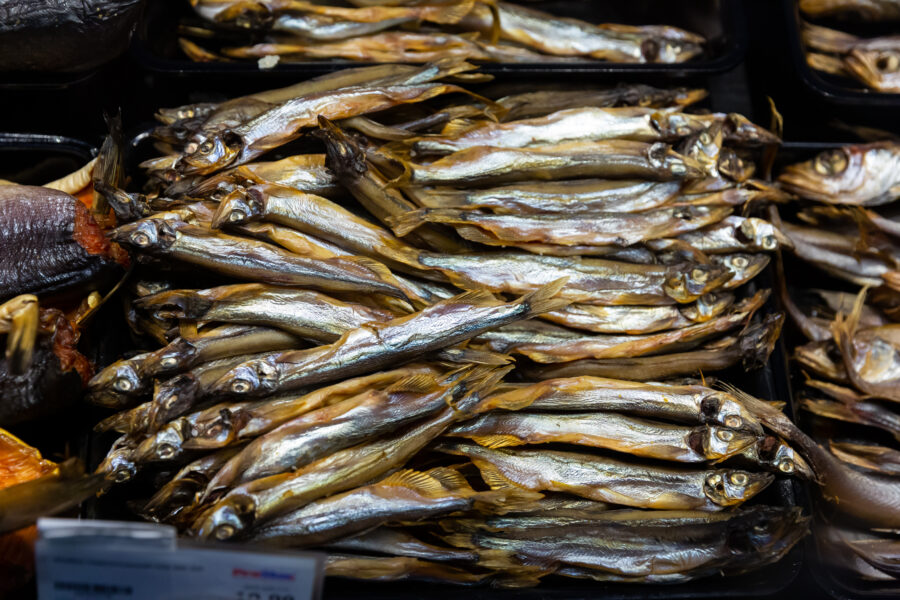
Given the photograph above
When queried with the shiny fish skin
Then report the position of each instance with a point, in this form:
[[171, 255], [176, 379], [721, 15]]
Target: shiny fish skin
[[305, 313], [376, 345], [536, 104], [304, 172], [873, 10], [614, 481], [396, 542], [612, 431], [732, 234]]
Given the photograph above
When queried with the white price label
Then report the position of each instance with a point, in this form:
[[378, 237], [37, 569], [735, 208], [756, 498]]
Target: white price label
[[117, 565]]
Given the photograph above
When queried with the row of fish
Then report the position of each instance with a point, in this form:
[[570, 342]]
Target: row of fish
[[850, 361], [416, 32], [872, 61], [869, 10], [413, 350]]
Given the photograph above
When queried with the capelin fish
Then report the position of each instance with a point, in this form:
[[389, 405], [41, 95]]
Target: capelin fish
[[250, 259], [590, 281], [617, 159], [535, 104], [585, 228], [588, 124], [371, 189], [635, 320], [304, 172], [287, 121], [878, 459], [731, 234], [133, 421], [315, 216], [871, 414], [872, 10], [571, 37], [612, 431], [743, 267], [403, 496], [871, 499], [304, 313], [63, 488], [679, 403], [751, 346], [181, 493], [223, 342], [871, 356], [376, 345], [121, 384], [877, 64], [446, 12], [248, 505], [566, 196], [396, 542], [776, 455], [118, 464], [863, 175], [545, 343], [355, 420], [646, 545], [607, 480], [823, 359], [397, 568]]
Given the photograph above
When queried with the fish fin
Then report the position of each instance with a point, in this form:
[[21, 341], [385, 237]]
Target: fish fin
[[497, 441], [450, 479], [544, 298], [506, 500], [515, 399], [478, 385], [422, 383], [496, 480], [416, 480], [407, 222], [471, 356], [456, 127]]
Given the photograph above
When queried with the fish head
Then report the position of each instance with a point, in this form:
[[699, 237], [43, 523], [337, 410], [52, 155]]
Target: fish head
[[731, 165], [174, 304], [765, 529], [763, 235], [343, 155], [146, 235], [729, 487], [719, 443], [829, 175], [687, 282], [240, 206], [166, 444], [177, 354], [119, 464], [669, 50], [722, 409], [662, 157], [743, 267], [122, 378], [219, 432], [252, 378], [740, 128], [782, 457], [207, 154], [227, 519], [705, 147], [173, 397], [879, 68], [708, 306]]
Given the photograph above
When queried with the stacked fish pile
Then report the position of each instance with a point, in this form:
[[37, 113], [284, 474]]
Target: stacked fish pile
[[852, 360], [416, 32], [354, 390]]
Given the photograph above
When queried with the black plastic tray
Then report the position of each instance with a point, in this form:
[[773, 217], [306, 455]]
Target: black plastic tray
[[837, 90], [720, 21], [839, 583]]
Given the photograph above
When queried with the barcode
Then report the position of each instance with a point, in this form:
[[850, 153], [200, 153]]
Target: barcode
[[93, 588]]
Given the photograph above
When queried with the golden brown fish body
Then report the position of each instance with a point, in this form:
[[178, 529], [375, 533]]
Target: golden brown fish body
[[873, 10]]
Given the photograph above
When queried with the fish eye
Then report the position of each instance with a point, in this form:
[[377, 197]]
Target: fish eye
[[678, 168], [240, 386], [705, 138], [650, 50], [123, 385], [168, 362], [714, 480], [121, 475], [786, 466], [699, 275], [237, 215], [140, 238], [832, 162], [223, 532], [733, 421], [888, 63], [739, 479], [165, 451], [170, 401], [769, 242], [206, 147], [725, 435], [740, 262], [681, 213]]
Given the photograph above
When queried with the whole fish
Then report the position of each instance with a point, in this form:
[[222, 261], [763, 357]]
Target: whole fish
[[305, 313], [614, 481], [587, 228], [879, 459], [751, 346], [588, 124], [397, 568], [872, 414], [617, 159], [406, 495], [731, 234], [679, 403], [303, 172], [396, 542], [355, 420], [612, 431], [590, 281], [535, 104], [635, 320], [545, 343], [573, 37], [863, 175], [376, 345], [246, 506], [250, 259]]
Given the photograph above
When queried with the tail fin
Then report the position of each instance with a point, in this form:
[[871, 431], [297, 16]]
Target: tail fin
[[544, 299], [408, 222]]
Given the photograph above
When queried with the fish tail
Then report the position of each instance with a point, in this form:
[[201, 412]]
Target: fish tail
[[454, 356], [544, 299], [456, 127], [449, 14], [408, 222], [476, 385], [516, 399]]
